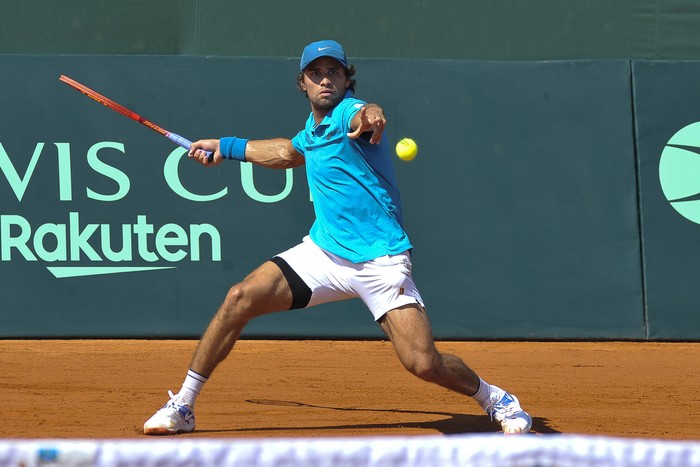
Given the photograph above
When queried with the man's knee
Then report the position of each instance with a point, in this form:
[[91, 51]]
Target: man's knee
[[237, 302], [426, 366], [263, 291]]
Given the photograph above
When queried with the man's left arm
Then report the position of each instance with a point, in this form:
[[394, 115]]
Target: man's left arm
[[370, 118]]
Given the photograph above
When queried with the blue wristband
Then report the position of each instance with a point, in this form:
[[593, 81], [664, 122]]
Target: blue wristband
[[233, 148]]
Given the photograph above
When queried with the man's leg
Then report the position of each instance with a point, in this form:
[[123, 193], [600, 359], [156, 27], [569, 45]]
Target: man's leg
[[265, 290], [409, 330]]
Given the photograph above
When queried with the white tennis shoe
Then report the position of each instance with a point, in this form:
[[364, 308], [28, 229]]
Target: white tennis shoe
[[505, 409], [173, 418]]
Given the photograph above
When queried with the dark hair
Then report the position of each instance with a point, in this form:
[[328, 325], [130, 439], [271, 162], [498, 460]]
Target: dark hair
[[349, 73]]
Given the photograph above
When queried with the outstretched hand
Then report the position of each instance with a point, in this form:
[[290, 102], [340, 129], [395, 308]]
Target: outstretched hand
[[369, 118]]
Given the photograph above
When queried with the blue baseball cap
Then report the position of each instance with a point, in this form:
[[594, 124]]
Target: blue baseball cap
[[320, 49]]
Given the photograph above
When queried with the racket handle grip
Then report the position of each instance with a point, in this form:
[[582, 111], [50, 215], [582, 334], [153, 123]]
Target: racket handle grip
[[186, 143]]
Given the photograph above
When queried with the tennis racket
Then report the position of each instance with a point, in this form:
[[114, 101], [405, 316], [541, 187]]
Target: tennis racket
[[107, 102]]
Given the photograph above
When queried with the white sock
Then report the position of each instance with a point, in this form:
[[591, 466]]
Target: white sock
[[482, 395], [194, 382]]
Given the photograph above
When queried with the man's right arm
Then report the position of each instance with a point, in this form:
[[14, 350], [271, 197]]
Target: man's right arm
[[278, 153]]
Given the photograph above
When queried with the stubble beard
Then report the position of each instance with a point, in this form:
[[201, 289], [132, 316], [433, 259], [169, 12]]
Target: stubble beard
[[326, 104]]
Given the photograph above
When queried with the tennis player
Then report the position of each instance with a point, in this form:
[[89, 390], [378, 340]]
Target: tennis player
[[357, 246]]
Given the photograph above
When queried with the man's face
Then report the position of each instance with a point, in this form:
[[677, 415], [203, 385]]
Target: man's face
[[325, 83]]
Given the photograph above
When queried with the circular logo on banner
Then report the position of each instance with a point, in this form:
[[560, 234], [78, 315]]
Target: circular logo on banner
[[679, 172]]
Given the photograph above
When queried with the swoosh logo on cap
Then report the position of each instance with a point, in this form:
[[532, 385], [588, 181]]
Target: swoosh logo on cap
[[320, 49]]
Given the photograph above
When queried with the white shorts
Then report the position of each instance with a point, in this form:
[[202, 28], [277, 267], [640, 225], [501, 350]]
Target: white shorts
[[383, 284]]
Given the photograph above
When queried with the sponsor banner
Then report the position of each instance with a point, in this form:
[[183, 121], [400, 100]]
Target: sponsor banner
[[106, 228], [668, 144], [521, 203]]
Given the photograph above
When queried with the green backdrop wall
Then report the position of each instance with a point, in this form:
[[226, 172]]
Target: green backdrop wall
[[443, 29], [533, 205], [553, 197]]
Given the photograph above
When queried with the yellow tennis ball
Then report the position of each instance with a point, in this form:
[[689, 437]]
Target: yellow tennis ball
[[406, 149]]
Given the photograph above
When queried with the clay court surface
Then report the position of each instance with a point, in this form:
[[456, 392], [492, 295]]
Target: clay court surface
[[108, 388]]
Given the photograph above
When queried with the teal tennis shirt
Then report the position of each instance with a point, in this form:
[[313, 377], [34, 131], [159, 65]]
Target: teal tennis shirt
[[353, 187]]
